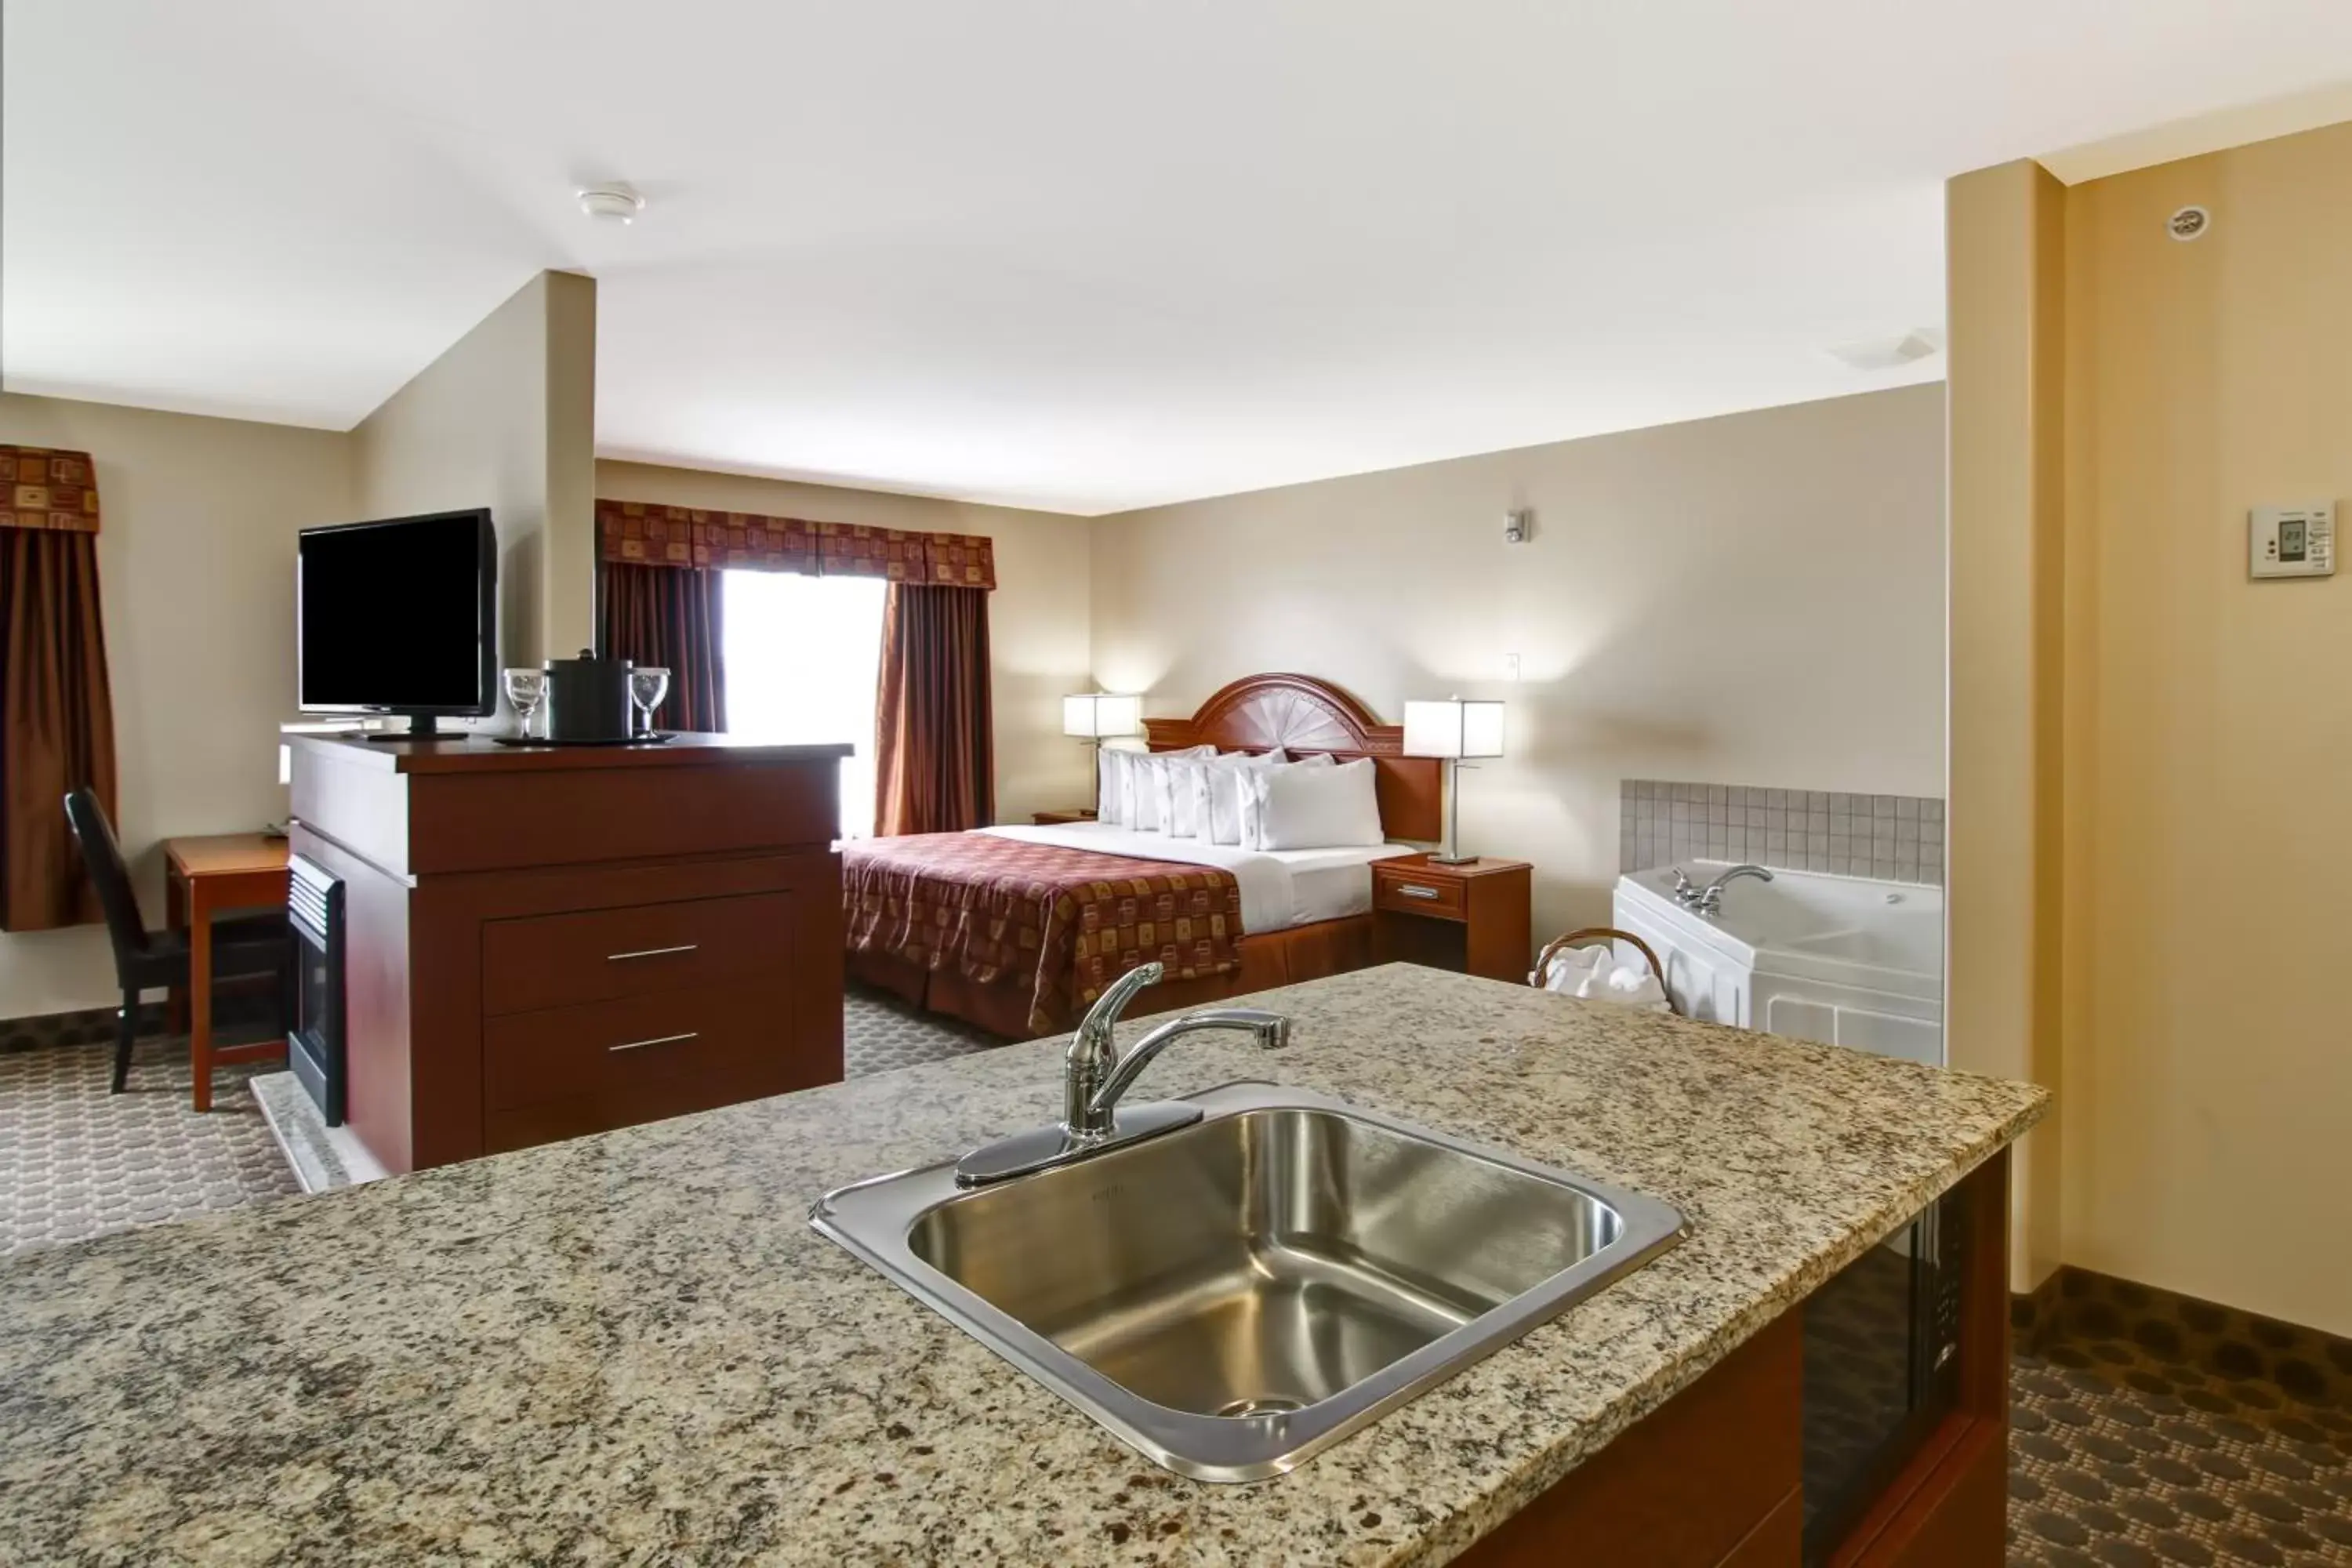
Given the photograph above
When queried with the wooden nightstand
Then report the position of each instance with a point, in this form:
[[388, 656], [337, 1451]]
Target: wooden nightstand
[[1474, 917], [1061, 818]]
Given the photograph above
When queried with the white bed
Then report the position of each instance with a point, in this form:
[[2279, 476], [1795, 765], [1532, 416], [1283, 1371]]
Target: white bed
[[1279, 888]]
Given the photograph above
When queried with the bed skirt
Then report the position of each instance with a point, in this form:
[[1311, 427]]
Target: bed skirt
[[1277, 958]]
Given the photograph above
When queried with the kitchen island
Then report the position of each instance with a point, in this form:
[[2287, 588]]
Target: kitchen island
[[541, 941], [632, 1348]]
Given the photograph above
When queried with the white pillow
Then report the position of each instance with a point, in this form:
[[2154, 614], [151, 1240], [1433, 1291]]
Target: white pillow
[[1221, 792], [1123, 771], [1145, 793], [1153, 805], [1188, 783], [1307, 807], [1135, 789], [1188, 773], [1230, 804], [1111, 786]]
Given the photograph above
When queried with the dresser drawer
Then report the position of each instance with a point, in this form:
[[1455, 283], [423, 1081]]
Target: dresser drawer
[[1403, 891], [553, 961], [561, 1071]]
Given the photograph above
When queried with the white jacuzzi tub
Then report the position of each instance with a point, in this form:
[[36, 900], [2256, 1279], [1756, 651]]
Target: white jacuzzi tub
[[1842, 960]]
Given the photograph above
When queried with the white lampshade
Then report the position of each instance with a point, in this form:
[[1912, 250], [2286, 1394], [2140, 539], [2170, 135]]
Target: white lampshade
[[1453, 728], [1099, 715]]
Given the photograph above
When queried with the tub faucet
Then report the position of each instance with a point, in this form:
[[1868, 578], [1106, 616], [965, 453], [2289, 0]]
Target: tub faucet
[[1709, 900]]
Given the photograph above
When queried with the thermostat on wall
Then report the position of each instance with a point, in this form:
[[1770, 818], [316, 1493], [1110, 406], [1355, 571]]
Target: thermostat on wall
[[2291, 540]]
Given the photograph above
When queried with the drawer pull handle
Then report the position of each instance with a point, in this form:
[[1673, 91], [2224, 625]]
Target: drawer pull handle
[[657, 1040], [651, 952], [1415, 890]]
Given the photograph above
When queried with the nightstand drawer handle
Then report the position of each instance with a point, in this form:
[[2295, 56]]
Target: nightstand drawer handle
[[1415, 890], [657, 1040], [651, 952]]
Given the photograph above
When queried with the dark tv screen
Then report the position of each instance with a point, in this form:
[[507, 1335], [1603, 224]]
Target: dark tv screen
[[397, 614]]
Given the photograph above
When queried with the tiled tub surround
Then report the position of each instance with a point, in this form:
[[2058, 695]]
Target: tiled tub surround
[[631, 1347], [1893, 838]]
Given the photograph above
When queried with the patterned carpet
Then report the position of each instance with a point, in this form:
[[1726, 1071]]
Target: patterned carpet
[[77, 1161], [879, 1032], [2157, 1430], [2136, 1440]]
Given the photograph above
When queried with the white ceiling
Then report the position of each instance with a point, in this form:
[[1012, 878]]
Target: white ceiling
[[1085, 255]]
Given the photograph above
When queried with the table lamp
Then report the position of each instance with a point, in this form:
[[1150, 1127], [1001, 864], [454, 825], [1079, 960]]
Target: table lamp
[[1099, 716], [1452, 729]]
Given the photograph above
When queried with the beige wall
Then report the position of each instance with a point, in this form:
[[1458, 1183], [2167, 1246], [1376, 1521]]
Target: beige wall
[[196, 560], [567, 603], [2004, 238], [1756, 599], [506, 418], [1037, 618], [2156, 759], [196, 575], [2208, 1078]]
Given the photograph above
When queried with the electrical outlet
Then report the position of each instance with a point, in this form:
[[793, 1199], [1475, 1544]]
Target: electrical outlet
[[1510, 667]]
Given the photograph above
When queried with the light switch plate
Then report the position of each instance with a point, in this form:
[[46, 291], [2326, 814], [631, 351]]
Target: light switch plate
[[2291, 540]]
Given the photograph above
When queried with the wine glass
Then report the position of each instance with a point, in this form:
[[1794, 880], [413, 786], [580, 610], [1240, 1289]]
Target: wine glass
[[648, 684], [526, 689]]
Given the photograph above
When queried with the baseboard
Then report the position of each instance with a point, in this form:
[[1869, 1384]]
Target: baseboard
[[2311, 1366], [87, 1027], [238, 1007], [2034, 1315]]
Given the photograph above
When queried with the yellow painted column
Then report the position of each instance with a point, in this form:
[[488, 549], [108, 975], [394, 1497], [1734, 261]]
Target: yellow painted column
[[2005, 952]]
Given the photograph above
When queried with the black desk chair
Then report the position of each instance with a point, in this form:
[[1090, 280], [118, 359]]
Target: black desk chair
[[250, 947]]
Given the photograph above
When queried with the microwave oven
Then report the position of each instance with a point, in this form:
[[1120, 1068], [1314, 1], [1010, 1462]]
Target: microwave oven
[[1882, 1367]]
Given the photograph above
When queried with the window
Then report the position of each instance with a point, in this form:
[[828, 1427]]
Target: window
[[802, 655]]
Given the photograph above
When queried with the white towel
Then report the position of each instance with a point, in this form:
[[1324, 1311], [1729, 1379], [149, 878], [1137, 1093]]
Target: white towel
[[1594, 974]]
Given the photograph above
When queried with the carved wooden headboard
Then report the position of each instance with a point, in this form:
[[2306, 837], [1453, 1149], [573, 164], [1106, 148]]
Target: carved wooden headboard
[[1300, 713]]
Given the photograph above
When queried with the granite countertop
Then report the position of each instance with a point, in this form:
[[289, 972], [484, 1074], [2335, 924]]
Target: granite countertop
[[632, 1348]]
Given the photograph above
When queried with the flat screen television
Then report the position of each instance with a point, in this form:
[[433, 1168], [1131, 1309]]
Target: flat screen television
[[398, 617]]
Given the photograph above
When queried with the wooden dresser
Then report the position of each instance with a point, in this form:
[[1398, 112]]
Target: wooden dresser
[[545, 941]]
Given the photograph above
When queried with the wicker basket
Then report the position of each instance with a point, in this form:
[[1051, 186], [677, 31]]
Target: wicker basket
[[1577, 938]]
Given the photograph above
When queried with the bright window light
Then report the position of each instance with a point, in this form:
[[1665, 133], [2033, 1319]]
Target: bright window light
[[803, 656]]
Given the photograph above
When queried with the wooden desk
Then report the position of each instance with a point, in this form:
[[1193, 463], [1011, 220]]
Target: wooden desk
[[202, 878]]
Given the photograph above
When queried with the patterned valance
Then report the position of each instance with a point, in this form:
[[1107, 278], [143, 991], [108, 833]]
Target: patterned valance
[[42, 488], [649, 535]]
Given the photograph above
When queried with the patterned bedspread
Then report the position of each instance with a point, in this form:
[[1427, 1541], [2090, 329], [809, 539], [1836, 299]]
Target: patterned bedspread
[[1056, 924]]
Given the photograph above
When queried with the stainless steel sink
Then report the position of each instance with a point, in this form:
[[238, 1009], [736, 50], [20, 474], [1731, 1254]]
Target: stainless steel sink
[[1234, 1296]]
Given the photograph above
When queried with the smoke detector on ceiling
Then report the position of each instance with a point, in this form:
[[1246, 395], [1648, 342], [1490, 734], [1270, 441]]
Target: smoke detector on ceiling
[[1886, 353], [615, 202]]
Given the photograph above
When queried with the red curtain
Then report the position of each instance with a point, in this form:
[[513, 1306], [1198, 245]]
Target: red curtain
[[935, 762], [668, 616], [57, 721]]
